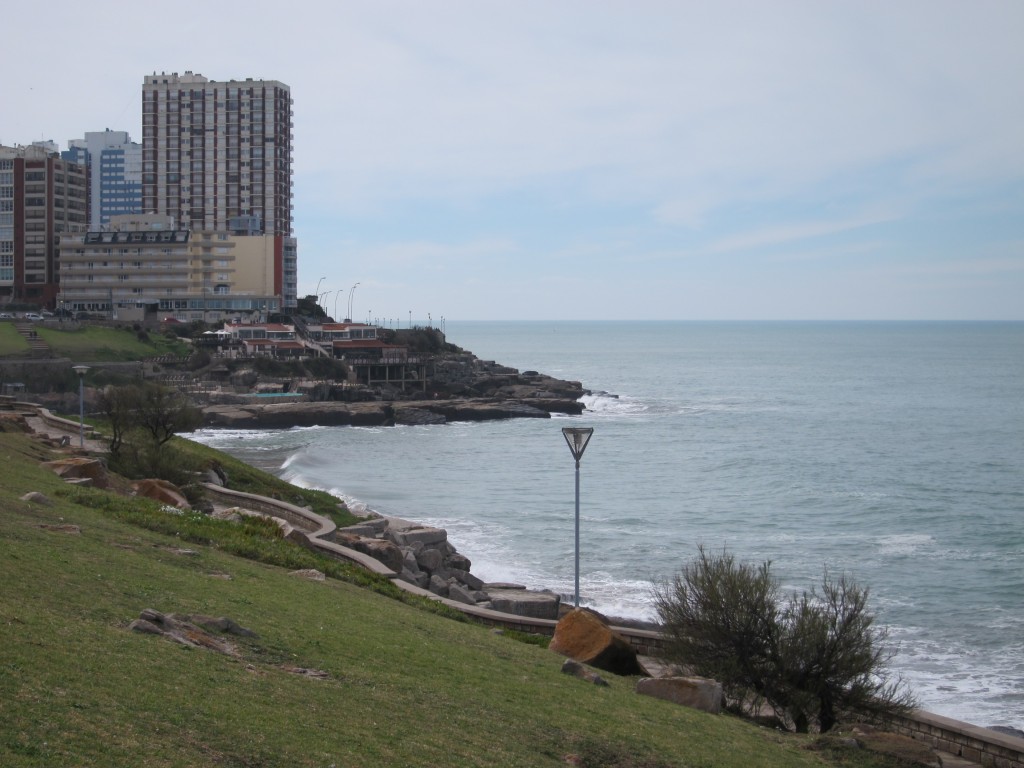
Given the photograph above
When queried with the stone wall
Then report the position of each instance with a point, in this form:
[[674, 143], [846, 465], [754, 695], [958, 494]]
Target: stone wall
[[979, 745]]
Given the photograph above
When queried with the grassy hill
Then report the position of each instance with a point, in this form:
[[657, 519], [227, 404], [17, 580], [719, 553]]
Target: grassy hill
[[92, 343], [394, 685]]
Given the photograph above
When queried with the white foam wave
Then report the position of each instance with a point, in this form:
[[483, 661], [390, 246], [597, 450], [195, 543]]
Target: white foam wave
[[602, 402], [904, 543]]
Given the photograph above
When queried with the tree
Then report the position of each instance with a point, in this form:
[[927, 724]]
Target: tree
[[143, 418], [812, 657]]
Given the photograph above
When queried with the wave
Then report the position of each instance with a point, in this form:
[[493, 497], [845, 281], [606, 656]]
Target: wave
[[605, 403]]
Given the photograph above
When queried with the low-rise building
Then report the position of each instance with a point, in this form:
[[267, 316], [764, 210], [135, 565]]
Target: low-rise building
[[143, 267]]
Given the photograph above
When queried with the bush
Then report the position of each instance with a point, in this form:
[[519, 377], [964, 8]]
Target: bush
[[812, 657]]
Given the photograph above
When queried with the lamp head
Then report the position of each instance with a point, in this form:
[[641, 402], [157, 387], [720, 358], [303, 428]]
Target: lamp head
[[577, 439]]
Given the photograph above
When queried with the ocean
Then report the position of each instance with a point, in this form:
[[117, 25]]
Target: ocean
[[889, 452]]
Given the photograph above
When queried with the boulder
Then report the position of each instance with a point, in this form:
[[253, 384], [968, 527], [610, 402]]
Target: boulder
[[162, 491], [429, 559], [427, 535], [438, 586], [460, 594], [696, 692], [467, 578], [585, 636], [79, 467], [458, 562], [379, 549], [524, 602]]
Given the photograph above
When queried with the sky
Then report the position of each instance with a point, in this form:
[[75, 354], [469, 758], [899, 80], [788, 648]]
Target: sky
[[565, 160]]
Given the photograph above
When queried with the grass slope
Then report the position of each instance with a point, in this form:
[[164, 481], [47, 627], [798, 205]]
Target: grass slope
[[404, 687], [91, 343], [12, 343]]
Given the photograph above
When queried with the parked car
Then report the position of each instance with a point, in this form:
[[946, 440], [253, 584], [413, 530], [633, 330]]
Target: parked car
[[6, 316], [33, 316]]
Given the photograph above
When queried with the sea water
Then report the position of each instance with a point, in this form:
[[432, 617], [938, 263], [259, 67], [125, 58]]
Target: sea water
[[892, 453]]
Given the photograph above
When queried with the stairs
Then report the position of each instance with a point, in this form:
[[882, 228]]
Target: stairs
[[37, 346]]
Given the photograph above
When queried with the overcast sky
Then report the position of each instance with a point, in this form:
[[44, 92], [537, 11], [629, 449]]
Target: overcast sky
[[592, 160]]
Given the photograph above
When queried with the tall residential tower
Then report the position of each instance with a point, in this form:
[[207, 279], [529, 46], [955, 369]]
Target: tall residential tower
[[213, 151], [42, 198]]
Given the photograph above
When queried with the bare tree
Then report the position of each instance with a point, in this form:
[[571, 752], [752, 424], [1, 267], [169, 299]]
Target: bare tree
[[143, 418]]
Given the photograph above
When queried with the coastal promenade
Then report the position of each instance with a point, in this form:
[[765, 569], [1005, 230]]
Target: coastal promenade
[[959, 744]]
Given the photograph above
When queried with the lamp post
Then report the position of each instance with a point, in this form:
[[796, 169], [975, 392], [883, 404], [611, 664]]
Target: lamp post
[[81, 370], [351, 293], [577, 439], [317, 291], [337, 293]]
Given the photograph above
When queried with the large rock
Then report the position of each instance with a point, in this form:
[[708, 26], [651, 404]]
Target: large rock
[[80, 468], [585, 636], [162, 491], [379, 549], [523, 602], [696, 692]]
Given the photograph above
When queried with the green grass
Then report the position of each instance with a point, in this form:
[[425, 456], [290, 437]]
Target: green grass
[[12, 343], [403, 687], [98, 344], [242, 477]]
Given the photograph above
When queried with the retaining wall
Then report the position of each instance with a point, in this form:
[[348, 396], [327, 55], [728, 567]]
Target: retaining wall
[[979, 745]]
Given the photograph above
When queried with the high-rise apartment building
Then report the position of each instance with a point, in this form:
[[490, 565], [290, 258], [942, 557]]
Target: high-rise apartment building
[[213, 151], [115, 174], [41, 197], [217, 152]]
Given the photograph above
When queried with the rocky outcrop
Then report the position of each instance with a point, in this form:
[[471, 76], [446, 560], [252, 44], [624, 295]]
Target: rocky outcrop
[[377, 414], [194, 631], [586, 636]]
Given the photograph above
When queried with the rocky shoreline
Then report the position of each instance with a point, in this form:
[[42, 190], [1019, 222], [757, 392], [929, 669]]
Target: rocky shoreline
[[384, 413], [422, 555]]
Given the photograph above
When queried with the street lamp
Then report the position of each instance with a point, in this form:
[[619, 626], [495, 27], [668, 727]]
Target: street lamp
[[81, 370], [351, 293], [317, 292], [577, 439]]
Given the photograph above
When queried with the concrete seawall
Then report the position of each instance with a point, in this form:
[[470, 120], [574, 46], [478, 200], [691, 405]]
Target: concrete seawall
[[973, 743]]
